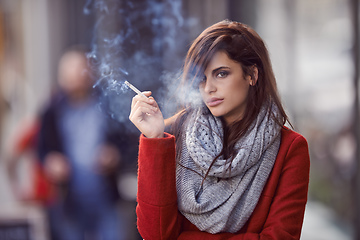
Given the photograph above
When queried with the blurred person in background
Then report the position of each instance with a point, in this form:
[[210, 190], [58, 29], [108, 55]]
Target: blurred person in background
[[81, 151]]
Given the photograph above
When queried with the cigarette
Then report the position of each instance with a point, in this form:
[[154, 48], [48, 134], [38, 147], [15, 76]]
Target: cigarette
[[134, 89]]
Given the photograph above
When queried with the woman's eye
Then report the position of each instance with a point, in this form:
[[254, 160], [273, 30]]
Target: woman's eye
[[222, 74]]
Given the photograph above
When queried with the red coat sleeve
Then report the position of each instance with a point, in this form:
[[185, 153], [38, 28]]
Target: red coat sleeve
[[285, 216], [157, 212]]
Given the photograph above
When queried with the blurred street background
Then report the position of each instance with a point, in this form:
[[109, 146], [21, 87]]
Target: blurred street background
[[314, 49]]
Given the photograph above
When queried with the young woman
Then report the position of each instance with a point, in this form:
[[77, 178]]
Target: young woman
[[232, 170]]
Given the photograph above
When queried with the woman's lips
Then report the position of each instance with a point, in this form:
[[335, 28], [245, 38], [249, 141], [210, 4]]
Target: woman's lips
[[213, 102]]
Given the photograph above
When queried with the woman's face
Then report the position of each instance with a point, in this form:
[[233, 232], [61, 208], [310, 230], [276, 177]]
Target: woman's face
[[224, 88]]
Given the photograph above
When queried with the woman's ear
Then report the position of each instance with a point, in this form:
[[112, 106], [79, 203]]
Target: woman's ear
[[254, 75]]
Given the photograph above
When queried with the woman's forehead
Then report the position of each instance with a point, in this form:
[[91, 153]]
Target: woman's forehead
[[220, 59]]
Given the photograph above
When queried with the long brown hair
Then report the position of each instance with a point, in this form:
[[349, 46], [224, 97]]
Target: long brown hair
[[243, 45]]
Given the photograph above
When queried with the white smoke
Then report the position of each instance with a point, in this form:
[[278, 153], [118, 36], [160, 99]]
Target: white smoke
[[121, 51]]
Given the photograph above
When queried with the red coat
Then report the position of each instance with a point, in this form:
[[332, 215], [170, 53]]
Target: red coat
[[278, 215]]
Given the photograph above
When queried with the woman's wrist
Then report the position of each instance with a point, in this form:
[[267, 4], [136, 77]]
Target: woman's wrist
[[156, 136]]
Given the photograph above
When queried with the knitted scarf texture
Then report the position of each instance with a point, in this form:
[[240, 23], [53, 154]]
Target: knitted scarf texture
[[231, 191]]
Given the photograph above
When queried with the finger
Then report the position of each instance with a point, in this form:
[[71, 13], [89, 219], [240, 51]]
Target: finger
[[138, 97], [153, 102], [144, 109], [150, 103], [147, 93], [140, 109], [146, 104]]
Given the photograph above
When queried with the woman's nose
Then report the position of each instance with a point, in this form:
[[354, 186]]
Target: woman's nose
[[209, 86]]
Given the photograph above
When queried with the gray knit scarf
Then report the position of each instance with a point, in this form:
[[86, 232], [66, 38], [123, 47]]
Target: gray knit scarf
[[232, 189]]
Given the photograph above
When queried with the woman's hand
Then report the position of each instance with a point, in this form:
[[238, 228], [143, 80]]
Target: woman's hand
[[146, 116]]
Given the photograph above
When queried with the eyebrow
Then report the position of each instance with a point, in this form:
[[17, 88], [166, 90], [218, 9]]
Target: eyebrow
[[218, 68]]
